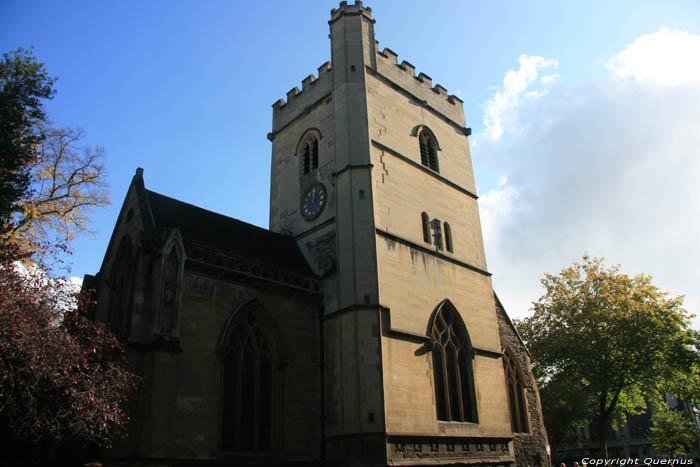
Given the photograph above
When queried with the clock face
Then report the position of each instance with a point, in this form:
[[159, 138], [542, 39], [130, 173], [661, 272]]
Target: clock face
[[313, 202]]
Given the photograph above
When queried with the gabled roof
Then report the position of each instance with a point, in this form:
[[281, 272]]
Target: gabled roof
[[208, 230], [212, 230]]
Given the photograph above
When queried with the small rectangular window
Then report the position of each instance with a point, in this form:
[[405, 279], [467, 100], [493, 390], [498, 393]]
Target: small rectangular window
[[362, 194]]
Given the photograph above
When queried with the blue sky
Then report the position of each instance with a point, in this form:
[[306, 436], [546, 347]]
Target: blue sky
[[184, 89]]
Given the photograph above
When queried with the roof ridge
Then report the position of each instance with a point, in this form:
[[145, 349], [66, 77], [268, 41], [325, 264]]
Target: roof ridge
[[151, 192]]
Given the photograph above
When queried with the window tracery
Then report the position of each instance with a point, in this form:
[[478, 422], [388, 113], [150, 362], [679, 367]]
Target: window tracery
[[516, 394], [452, 366], [249, 378]]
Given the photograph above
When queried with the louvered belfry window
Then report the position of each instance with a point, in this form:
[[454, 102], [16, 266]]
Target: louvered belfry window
[[428, 150], [452, 366], [248, 387], [516, 394], [309, 155]]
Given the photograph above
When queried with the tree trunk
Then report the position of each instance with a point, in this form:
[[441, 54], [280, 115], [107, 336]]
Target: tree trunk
[[603, 438]]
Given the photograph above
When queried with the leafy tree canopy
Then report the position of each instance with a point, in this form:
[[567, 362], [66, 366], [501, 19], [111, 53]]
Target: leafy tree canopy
[[24, 84], [672, 434], [602, 341]]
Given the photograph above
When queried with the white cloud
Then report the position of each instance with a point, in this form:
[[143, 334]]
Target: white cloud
[[496, 208], [498, 110], [76, 283], [665, 57], [549, 78], [605, 168]]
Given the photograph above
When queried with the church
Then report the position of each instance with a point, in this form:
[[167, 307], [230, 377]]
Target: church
[[362, 328]]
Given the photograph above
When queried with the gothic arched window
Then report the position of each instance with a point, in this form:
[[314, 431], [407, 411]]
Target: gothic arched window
[[309, 154], [249, 379], [452, 366], [120, 302], [170, 287], [516, 394], [448, 237], [426, 227], [428, 149]]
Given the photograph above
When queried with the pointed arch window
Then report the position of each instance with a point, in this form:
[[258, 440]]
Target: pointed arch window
[[249, 379], [516, 394], [426, 227], [428, 149], [169, 292], [448, 237], [452, 366], [120, 303], [309, 154]]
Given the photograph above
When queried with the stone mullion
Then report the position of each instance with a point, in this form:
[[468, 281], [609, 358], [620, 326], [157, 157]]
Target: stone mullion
[[238, 404], [515, 408], [460, 396], [256, 402], [446, 384]]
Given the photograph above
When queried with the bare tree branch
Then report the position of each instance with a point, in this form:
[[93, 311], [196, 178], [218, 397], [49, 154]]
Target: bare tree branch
[[68, 180]]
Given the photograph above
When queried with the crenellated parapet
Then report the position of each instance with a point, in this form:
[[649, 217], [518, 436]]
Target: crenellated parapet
[[345, 9], [298, 101], [421, 86]]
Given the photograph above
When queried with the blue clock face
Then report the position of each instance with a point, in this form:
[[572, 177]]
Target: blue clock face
[[313, 202]]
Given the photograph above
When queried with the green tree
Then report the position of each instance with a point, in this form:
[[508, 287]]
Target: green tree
[[672, 434], [610, 339], [24, 84]]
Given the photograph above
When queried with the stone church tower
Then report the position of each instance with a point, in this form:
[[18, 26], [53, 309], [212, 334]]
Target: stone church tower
[[362, 328], [372, 175]]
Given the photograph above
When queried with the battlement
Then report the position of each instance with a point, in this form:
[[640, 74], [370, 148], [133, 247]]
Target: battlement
[[421, 85], [312, 89], [345, 9], [401, 74]]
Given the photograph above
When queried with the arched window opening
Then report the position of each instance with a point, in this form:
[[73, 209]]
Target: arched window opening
[[452, 367], [170, 287], [120, 303], [248, 382], [448, 237], [516, 394], [428, 149], [309, 153], [426, 227]]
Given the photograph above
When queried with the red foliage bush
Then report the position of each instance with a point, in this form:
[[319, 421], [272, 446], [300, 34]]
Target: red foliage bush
[[62, 376]]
